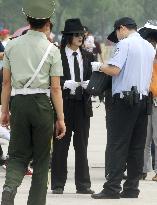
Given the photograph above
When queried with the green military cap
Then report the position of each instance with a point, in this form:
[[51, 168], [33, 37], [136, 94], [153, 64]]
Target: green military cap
[[38, 9]]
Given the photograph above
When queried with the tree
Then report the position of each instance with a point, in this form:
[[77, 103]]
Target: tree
[[99, 15], [65, 9], [11, 14]]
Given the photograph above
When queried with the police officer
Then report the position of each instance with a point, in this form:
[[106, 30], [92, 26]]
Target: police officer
[[131, 68], [31, 112]]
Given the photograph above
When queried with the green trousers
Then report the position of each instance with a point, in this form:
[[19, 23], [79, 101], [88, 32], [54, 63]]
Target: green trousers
[[31, 134]]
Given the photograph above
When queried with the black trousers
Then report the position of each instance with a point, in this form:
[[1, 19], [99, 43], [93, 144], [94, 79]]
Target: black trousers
[[108, 107], [125, 145], [77, 122], [31, 133]]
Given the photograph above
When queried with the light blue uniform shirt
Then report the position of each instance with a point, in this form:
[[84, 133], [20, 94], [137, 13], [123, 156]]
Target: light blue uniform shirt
[[134, 57]]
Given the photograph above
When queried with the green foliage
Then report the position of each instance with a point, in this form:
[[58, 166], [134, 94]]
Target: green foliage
[[98, 15], [11, 14]]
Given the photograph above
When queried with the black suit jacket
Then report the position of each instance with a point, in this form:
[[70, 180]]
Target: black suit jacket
[[87, 71]]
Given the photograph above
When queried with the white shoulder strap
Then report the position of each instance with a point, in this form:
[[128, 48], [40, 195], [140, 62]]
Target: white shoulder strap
[[39, 66]]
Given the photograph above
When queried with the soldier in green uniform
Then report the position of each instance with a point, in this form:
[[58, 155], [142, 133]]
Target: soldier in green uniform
[[31, 118]]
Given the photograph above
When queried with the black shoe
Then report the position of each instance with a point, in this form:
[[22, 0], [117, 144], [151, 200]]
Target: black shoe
[[105, 195], [125, 194], [85, 191], [143, 176], [8, 196], [57, 191]]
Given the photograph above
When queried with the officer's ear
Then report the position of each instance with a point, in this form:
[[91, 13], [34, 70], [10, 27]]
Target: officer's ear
[[48, 24]]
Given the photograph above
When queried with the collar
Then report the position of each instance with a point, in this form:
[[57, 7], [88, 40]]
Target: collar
[[69, 51], [134, 34], [36, 33]]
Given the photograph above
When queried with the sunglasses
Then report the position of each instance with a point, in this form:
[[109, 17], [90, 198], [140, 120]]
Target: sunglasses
[[78, 34]]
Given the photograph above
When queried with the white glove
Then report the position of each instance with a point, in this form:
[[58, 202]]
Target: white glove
[[4, 133], [84, 84], [72, 85], [96, 66]]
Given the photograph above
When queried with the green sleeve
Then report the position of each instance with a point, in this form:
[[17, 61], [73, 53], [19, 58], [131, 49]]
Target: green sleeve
[[6, 62], [56, 66]]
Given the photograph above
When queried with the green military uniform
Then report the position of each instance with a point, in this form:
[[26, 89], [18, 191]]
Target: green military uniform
[[31, 115], [29, 50]]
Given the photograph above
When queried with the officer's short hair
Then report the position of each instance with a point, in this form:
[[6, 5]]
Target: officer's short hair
[[37, 23], [131, 27], [128, 22]]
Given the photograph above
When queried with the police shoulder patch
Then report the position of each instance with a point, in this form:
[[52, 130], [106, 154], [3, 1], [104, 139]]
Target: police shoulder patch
[[116, 51]]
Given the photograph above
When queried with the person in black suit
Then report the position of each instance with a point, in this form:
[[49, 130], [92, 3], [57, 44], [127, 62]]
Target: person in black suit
[[77, 110]]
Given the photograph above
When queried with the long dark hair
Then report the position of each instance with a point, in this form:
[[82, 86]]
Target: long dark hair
[[66, 39]]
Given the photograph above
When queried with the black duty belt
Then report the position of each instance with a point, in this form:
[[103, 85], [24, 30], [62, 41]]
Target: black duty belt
[[118, 96]]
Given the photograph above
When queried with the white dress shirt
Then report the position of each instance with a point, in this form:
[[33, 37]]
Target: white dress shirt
[[69, 53]]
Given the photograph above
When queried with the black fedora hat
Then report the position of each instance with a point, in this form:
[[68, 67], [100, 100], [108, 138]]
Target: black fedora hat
[[73, 26], [149, 30], [120, 22]]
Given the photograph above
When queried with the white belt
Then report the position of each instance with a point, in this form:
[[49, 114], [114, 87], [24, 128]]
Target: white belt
[[29, 91]]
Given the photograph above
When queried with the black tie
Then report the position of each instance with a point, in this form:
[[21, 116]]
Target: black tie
[[76, 68], [78, 91]]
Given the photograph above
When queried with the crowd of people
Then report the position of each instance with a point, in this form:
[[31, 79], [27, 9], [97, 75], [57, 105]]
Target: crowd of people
[[44, 99], [4, 133]]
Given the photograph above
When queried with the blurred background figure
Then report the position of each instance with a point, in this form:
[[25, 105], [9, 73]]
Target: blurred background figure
[[97, 51], [20, 31], [5, 35], [89, 44], [2, 157], [92, 44], [149, 32]]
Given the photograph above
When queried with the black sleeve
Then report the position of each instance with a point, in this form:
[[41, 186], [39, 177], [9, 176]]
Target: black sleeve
[[91, 58]]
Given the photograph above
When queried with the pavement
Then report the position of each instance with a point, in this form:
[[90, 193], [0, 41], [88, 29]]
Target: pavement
[[96, 156]]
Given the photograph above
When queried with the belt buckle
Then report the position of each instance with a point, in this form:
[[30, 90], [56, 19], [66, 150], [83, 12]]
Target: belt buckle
[[25, 91], [13, 92]]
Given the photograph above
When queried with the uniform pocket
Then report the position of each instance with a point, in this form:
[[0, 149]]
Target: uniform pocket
[[43, 101]]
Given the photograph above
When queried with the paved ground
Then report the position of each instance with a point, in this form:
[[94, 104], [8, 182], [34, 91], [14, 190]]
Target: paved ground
[[96, 157]]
